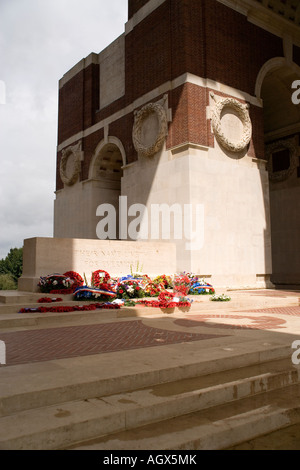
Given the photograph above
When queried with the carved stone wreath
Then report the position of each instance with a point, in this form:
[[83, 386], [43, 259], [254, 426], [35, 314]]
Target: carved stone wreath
[[243, 114], [276, 146], [140, 117], [74, 150]]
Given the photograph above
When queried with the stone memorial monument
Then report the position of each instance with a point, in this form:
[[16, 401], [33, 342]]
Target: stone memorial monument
[[179, 143]]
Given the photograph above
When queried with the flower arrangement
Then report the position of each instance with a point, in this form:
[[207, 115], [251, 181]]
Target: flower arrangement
[[60, 283], [90, 293], [154, 288], [165, 280], [136, 286], [181, 284], [56, 283], [100, 279], [220, 298], [200, 287], [197, 285], [76, 278], [130, 289], [166, 300], [102, 288]]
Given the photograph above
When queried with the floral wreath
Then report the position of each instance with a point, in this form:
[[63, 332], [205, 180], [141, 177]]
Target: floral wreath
[[78, 280], [165, 300], [98, 280], [166, 296]]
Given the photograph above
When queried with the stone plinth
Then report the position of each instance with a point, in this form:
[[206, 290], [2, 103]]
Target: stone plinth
[[44, 256]]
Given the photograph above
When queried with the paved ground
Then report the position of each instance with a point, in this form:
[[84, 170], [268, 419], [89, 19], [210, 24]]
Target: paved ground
[[25, 347], [38, 345], [49, 343]]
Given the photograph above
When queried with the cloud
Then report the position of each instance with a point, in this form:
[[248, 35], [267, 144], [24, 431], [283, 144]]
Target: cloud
[[39, 42]]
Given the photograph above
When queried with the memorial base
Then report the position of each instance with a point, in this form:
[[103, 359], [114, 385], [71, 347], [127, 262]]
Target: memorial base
[[44, 256]]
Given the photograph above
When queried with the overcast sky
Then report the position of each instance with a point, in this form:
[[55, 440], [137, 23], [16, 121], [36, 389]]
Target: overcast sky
[[40, 40]]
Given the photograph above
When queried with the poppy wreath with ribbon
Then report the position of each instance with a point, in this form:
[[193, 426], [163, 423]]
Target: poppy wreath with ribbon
[[78, 280], [99, 281]]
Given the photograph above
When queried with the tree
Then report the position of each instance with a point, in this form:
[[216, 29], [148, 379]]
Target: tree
[[7, 282], [13, 263]]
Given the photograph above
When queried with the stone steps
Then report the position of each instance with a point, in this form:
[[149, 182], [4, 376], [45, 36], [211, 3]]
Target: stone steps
[[17, 297], [215, 428], [67, 414], [181, 396], [10, 306]]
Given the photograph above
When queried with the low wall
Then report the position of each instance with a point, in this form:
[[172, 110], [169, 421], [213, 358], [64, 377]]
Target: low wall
[[44, 256]]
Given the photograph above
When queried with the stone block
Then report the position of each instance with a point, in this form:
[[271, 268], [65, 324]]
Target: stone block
[[44, 256]]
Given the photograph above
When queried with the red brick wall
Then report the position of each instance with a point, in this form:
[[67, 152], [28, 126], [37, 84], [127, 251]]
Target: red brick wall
[[235, 48], [162, 46], [91, 94], [189, 123], [78, 103], [204, 38], [70, 117], [178, 129], [147, 54], [122, 128]]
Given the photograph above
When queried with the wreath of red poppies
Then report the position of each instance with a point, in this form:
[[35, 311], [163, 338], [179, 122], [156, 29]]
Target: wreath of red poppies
[[78, 280], [99, 281], [166, 297], [66, 308], [165, 300], [48, 300]]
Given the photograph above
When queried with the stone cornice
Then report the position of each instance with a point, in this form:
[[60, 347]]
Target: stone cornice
[[259, 14]]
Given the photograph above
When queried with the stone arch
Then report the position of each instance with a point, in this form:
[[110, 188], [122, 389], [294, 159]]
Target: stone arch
[[281, 136], [105, 176], [269, 66], [111, 155]]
